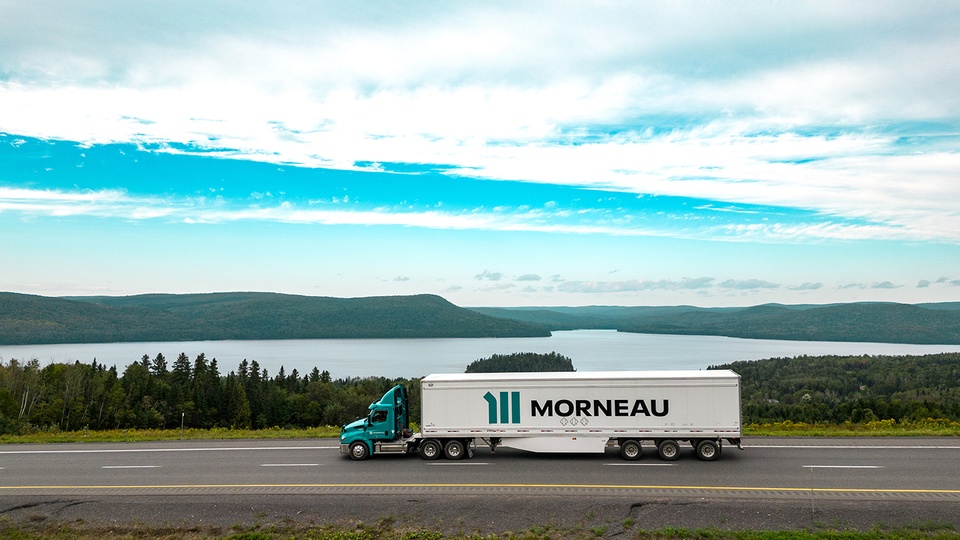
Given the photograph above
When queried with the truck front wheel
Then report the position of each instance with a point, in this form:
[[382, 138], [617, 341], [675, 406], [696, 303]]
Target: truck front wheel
[[430, 449], [359, 451], [454, 449]]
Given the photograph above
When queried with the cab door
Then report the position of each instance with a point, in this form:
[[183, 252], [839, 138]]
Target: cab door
[[381, 426]]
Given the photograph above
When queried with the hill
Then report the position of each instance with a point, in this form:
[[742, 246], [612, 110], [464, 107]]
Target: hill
[[247, 315], [166, 317], [866, 321]]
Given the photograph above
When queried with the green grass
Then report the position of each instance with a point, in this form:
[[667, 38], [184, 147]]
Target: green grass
[[931, 427], [136, 435]]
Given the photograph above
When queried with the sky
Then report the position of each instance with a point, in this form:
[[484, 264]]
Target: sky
[[494, 153]]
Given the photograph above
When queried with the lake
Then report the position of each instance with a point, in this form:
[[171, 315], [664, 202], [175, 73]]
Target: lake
[[591, 350]]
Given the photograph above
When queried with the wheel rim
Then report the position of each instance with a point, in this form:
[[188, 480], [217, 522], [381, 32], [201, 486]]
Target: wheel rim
[[430, 449], [454, 450], [707, 450], [631, 450], [669, 450], [359, 451]]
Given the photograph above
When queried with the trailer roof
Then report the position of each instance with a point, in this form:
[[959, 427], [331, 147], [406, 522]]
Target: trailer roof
[[584, 375]]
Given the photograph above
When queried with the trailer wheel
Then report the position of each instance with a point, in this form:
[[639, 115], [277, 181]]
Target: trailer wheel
[[668, 450], [708, 450], [430, 449], [454, 449], [359, 451], [630, 450]]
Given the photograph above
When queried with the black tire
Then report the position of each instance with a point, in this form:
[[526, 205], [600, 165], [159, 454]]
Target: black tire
[[454, 449], [708, 450], [630, 450], [668, 450], [359, 451], [430, 449]]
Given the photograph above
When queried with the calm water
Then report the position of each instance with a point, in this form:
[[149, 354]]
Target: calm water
[[591, 350]]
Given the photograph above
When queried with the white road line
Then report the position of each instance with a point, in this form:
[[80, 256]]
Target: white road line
[[130, 467], [290, 465], [141, 450], [640, 464], [855, 447], [456, 464], [843, 467]]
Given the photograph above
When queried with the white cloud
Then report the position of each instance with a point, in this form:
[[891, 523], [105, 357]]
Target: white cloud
[[796, 105], [634, 285], [808, 286], [747, 284], [489, 276]]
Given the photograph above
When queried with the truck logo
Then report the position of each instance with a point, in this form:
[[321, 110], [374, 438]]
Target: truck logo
[[597, 407], [507, 410]]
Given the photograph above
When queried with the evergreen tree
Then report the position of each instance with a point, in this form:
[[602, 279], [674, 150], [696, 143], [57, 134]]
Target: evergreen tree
[[159, 366]]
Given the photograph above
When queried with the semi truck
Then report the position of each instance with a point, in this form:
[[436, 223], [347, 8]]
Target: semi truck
[[558, 412]]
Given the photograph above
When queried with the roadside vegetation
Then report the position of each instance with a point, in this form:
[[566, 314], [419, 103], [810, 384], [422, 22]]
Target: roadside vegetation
[[876, 391], [924, 428]]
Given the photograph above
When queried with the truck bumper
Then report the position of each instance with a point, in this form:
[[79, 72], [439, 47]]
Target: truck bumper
[[344, 448]]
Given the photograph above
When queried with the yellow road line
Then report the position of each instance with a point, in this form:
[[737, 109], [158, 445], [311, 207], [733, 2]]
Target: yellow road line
[[520, 486]]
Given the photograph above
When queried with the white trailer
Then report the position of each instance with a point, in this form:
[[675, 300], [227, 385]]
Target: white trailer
[[564, 412]]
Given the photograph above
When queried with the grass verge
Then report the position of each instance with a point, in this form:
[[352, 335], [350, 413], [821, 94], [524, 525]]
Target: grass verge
[[931, 427], [135, 435]]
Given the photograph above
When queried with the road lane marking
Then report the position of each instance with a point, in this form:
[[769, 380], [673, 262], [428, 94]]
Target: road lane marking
[[855, 447], [843, 466], [290, 465], [640, 464], [130, 467], [135, 450], [493, 485], [457, 464]]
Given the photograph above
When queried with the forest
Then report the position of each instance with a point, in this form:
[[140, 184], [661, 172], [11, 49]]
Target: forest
[[519, 362], [858, 389], [155, 393], [152, 394], [876, 322], [217, 316]]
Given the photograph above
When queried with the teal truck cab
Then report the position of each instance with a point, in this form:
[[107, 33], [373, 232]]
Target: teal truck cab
[[386, 430]]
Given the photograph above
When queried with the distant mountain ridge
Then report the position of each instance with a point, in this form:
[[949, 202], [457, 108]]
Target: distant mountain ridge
[[876, 322], [28, 319]]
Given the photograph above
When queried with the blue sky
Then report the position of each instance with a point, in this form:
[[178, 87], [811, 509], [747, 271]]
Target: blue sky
[[494, 153]]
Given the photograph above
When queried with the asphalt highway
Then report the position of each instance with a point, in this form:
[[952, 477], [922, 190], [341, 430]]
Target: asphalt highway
[[771, 483]]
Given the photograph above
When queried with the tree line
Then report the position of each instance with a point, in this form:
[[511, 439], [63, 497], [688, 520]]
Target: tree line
[[858, 389], [520, 362], [216, 316], [153, 393]]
